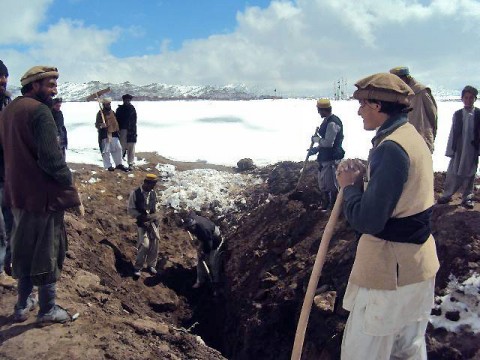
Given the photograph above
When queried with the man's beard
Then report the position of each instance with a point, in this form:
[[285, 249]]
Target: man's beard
[[3, 88], [44, 98]]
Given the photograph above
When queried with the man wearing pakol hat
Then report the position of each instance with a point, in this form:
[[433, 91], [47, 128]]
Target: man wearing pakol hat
[[38, 188], [6, 217], [424, 108], [463, 150], [142, 205], [108, 137], [391, 287], [127, 122], [60, 122], [328, 138], [210, 249]]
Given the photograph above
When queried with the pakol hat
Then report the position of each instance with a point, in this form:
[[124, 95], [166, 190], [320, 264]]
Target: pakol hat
[[57, 100], [323, 103], [151, 178], [400, 71], [37, 73], [3, 69], [106, 101], [127, 97], [384, 87]]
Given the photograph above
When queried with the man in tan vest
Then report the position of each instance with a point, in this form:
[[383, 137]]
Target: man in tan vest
[[424, 108], [391, 287]]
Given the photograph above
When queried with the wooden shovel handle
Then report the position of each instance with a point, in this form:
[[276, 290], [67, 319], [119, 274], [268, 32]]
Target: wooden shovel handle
[[313, 282]]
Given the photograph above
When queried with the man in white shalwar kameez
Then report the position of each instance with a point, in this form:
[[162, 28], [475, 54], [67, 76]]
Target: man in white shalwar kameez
[[463, 150]]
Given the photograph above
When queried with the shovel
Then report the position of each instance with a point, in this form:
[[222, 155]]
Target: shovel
[[96, 96], [296, 195], [313, 282]]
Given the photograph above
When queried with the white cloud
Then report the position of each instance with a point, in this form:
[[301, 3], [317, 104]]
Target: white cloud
[[298, 47]]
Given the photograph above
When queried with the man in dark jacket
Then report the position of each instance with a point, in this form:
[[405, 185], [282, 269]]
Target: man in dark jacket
[[6, 217], [60, 122], [209, 250], [30, 156], [127, 122], [329, 138]]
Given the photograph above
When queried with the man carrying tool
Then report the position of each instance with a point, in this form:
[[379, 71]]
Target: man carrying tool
[[391, 287], [142, 205], [209, 251], [108, 137], [329, 138]]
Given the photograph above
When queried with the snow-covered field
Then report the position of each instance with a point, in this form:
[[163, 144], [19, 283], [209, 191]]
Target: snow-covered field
[[223, 132]]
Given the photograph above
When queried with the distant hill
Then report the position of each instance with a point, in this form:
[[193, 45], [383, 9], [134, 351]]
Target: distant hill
[[154, 92]]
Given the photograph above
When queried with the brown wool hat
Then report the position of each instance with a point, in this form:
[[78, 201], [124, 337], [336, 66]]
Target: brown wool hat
[[384, 87], [37, 73], [127, 97], [323, 103]]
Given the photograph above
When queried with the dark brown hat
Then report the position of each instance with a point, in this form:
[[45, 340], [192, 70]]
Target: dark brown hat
[[3, 69], [57, 100], [127, 97], [384, 87]]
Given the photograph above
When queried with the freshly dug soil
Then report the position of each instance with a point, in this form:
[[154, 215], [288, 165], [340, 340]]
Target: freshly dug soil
[[272, 242]]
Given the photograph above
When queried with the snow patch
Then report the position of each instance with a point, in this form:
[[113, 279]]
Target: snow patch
[[204, 188], [460, 308]]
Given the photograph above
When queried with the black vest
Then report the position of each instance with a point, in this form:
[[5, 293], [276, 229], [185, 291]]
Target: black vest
[[336, 152]]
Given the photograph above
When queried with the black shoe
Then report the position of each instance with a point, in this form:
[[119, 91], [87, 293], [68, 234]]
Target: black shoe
[[122, 167], [111, 168], [443, 200], [468, 204]]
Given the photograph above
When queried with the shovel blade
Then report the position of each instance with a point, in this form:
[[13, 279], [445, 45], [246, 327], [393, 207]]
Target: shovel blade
[[96, 95]]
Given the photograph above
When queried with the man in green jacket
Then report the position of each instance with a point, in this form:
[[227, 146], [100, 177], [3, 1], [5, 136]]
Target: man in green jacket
[[30, 155]]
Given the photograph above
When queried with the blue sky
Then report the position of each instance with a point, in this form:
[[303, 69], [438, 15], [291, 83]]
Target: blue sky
[[299, 47], [146, 24]]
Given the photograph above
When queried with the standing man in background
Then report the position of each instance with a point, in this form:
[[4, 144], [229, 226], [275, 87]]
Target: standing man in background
[[424, 108], [463, 149], [329, 139], [108, 135], [6, 217], [60, 122], [127, 122], [38, 188]]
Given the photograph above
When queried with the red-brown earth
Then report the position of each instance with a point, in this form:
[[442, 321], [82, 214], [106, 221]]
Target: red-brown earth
[[272, 242]]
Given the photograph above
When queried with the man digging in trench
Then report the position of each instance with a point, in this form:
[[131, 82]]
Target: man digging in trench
[[209, 252], [391, 286]]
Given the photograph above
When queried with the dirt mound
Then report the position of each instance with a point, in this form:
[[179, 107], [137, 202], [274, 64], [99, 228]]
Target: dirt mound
[[272, 243]]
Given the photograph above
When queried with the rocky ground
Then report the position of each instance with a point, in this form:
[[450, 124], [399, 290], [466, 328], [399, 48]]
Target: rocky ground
[[272, 243]]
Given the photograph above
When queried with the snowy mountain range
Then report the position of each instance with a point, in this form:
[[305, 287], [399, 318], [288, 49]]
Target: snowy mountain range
[[154, 92]]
